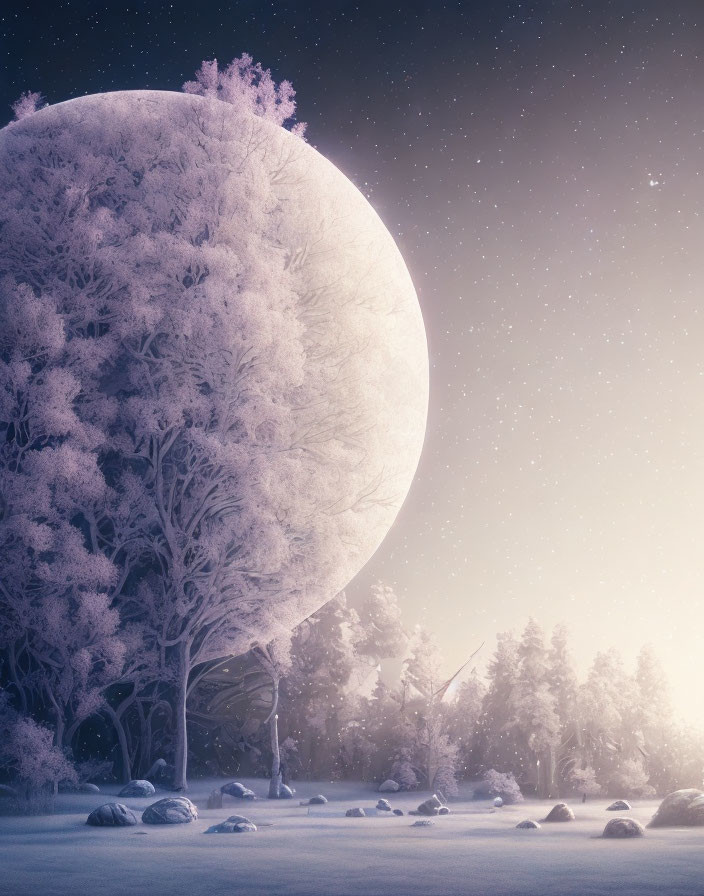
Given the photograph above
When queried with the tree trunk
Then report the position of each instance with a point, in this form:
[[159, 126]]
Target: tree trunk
[[275, 781], [181, 756], [124, 746]]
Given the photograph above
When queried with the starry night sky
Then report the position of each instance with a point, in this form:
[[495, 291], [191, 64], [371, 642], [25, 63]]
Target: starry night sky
[[540, 165]]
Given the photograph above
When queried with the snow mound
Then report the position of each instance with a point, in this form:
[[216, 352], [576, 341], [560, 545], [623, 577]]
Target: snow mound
[[623, 827], [528, 824], [423, 823], [683, 807], [389, 786], [234, 788], [138, 788], [560, 812], [111, 815], [170, 810]]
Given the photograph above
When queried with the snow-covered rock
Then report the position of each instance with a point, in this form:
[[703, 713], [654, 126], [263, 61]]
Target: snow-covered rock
[[170, 810], [623, 827], [383, 806], [318, 800], [443, 810], [234, 788], [618, 806], [235, 824], [498, 802], [398, 811], [423, 823], [285, 792], [389, 786], [560, 812], [683, 807], [138, 788], [430, 806], [528, 825], [161, 774], [86, 787], [111, 815], [357, 812], [215, 799]]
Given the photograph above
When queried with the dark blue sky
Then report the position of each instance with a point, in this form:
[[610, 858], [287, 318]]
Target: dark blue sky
[[540, 167]]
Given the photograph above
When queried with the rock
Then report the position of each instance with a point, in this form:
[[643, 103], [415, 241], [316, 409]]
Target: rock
[[318, 800], [528, 824], [235, 824], [623, 827], [170, 810], [443, 810], [389, 786], [138, 788], [618, 806], [560, 812], [234, 788], [215, 799], [430, 806], [498, 802], [162, 774], [424, 823], [398, 811], [383, 806], [357, 812], [683, 807], [111, 815], [285, 792], [88, 788]]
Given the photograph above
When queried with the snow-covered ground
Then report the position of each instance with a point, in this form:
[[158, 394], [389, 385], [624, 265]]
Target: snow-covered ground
[[475, 851]]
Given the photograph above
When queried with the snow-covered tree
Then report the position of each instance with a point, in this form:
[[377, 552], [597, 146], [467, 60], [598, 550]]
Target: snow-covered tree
[[497, 738], [535, 717], [245, 84], [27, 104], [174, 389]]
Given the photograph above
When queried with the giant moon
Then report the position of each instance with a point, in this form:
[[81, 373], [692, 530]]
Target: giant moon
[[138, 160]]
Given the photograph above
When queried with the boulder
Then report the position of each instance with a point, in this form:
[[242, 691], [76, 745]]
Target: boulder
[[285, 792], [88, 788], [683, 807], [430, 806], [383, 806], [318, 800], [623, 827], [498, 802], [357, 812], [528, 825], [618, 806], [162, 774], [423, 823], [443, 810], [560, 812], [389, 786], [170, 810], [138, 788], [111, 815], [215, 799], [235, 824], [398, 811], [234, 788]]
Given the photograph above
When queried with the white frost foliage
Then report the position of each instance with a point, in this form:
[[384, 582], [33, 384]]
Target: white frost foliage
[[27, 103]]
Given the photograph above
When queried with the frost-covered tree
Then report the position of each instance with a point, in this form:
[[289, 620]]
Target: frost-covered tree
[[175, 391], [245, 84], [535, 717], [27, 104], [30, 757], [497, 738]]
